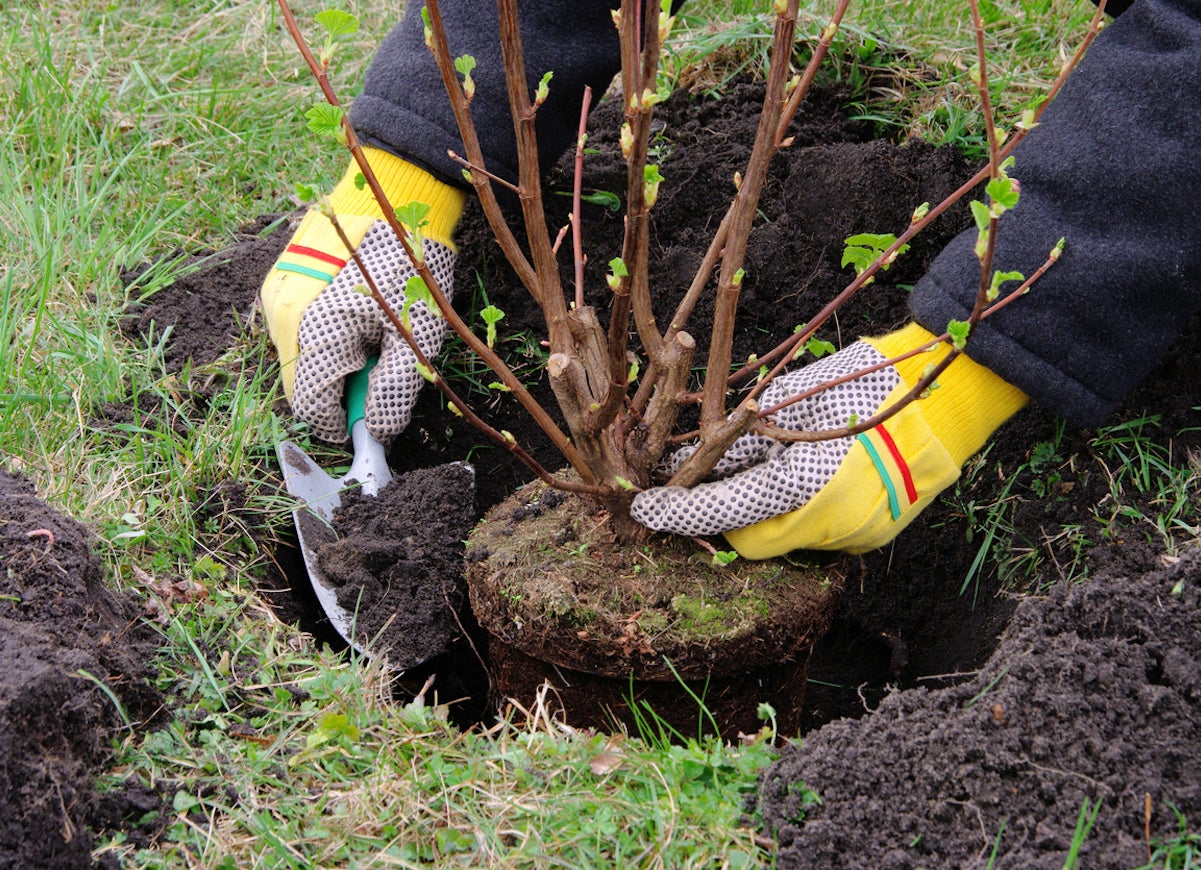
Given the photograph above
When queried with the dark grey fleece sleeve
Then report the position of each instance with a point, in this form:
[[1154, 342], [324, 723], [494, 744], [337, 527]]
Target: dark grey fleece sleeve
[[1114, 169], [403, 108]]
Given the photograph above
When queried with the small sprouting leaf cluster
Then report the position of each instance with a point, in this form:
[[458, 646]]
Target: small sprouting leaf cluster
[[491, 316], [464, 65], [324, 119], [1003, 193], [813, 345], [327, 120], [337, 24], [617, 271], [863, 249]]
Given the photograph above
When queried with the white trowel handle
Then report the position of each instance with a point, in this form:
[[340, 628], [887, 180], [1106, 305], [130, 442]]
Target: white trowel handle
[[370, 463]]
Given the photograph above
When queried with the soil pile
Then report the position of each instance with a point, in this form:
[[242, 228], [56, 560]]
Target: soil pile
[[70, 650], [1093, 695], [397, 562]]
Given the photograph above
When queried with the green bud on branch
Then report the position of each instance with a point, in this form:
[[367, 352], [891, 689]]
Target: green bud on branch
[[627, 140], [464, 64], [650, 183], [491, 316], [617, 271], [958, 331], [543, 90]]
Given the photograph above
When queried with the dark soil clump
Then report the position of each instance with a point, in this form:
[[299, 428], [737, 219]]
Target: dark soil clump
[[398, 562], [545, 577], [206, 307], [1092, 695], [557, 593], [62, 637]]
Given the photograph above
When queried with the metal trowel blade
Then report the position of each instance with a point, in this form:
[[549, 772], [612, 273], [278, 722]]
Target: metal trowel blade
[[319, 495]]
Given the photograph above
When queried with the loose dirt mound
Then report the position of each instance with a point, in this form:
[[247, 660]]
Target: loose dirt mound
[[63, 637], [398, 562], [1094, 694]]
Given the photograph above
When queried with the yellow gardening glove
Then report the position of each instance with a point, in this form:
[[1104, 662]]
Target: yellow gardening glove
[[324, 329], [851, 494]]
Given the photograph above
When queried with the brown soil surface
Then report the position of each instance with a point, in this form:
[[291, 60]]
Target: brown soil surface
[[397, 562], [62, 637], [545, 577], [1094, 699], [1092, 695], [615, 628]]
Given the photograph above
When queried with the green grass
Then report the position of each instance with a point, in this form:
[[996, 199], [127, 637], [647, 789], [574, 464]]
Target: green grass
[[1182, 852], [131, 131], [1150, 491], [905, 64]]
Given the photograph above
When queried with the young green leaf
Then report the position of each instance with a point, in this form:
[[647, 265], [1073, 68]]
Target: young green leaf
[[416, 290], [326, 120], [464, 64], [543, 90], [999, 278], [958, 330], [617, 271], [337, 22], [491, 316], [819, 348], [1003, 194], [413, 215], [429, 28], [863, 249], [650, 183], [980, 214], [605, 198]]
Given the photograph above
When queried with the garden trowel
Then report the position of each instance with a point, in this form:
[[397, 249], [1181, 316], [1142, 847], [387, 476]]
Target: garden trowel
[[320, 495]]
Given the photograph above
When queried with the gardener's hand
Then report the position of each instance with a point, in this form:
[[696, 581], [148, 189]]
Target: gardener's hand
[[852, 494], [324, 328]]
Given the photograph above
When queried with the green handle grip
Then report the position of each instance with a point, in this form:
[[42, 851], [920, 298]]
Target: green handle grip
[[355, 396]]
